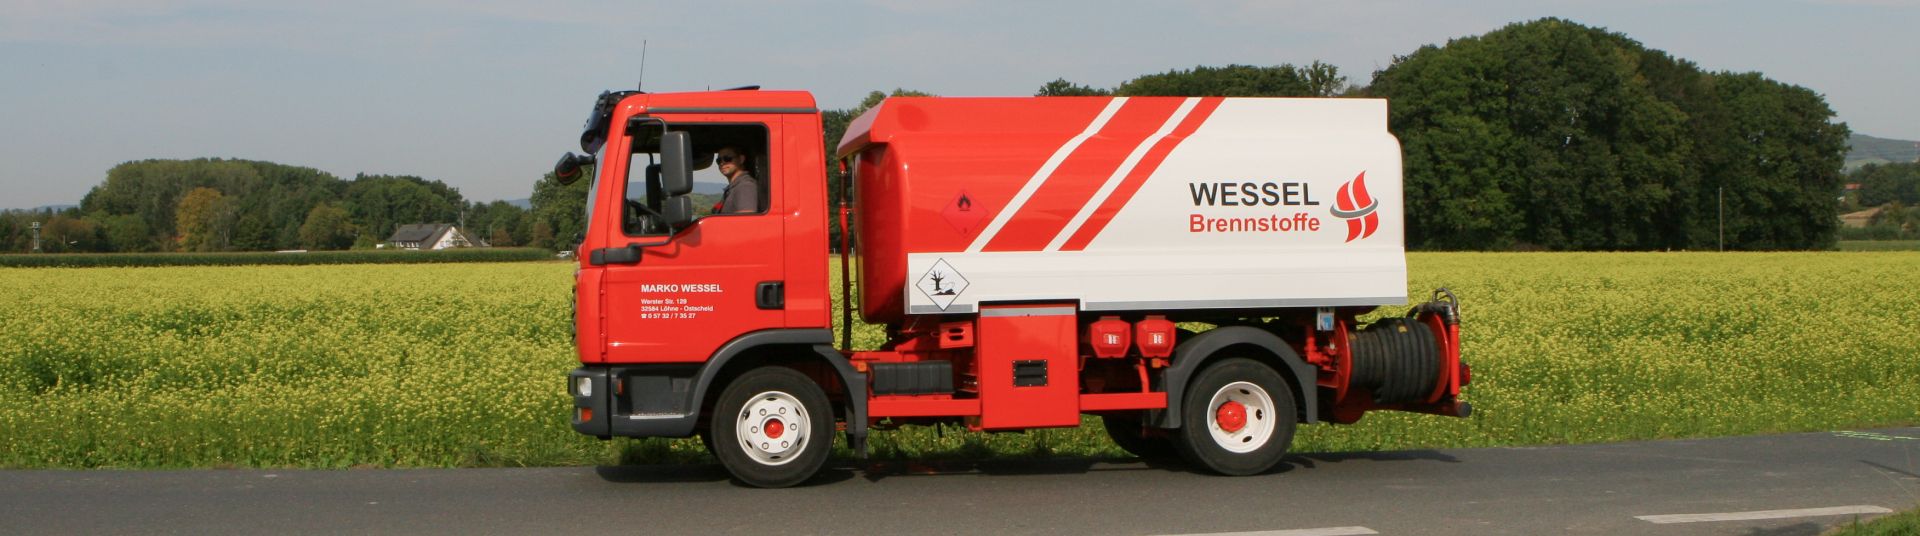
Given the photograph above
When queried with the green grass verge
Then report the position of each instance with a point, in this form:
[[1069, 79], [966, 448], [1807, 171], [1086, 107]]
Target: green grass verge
[[1879, 245], [241, 258], [1900, 524], [462, 365]]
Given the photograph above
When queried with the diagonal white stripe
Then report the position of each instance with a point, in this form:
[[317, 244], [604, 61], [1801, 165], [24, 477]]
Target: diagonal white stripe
[[1040, 177], [1327, 531], [1765, 514], [1126, 166]]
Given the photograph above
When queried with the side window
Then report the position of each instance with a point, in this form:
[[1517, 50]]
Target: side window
[[731, 176]]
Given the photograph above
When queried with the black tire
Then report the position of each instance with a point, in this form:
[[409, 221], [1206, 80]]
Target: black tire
[[1263, 434], [788, 397], [1126, 432]]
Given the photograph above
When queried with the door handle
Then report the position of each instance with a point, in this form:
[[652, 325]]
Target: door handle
[[770, 295]]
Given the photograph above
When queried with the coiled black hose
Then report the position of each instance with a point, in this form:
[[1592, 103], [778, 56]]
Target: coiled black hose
[[1397, 359]]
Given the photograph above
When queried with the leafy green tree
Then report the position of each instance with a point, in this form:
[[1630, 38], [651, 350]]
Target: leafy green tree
[[559, 211], [68, 233], [253, 233], [1780, 165], [381, 203], [496, 221], [1549, 134], [153, 189], [1060, 87], [203, 218], [327, 227], [1285, 80], [501, 238], [129, 233], [1888, 183], [10, 230], [269, 200], [543, 236]]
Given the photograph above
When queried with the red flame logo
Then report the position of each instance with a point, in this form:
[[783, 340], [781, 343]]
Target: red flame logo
[[1357, 207]]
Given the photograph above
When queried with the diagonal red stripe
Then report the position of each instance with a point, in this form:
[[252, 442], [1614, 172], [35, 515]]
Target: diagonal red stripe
[[1138, 177], [1075, 181]]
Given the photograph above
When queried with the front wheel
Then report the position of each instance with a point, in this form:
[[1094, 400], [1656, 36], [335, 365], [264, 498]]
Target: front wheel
[[772, 427], [1237, 418]]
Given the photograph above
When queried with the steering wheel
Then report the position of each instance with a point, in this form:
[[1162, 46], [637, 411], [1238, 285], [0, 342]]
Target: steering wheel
[[651, 221]]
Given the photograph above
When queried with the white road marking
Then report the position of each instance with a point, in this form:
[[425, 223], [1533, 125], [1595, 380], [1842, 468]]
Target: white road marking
[[1766, 514], [1325, 531]]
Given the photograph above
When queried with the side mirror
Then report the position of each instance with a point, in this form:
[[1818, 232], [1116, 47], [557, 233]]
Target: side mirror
[[679, 211], [567, 170], [676, 176]]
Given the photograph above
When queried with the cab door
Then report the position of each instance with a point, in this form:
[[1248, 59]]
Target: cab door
[[718, 278]]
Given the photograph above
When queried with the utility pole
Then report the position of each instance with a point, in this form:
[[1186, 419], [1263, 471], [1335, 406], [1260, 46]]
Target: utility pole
[[1723, 218], [36, 236]]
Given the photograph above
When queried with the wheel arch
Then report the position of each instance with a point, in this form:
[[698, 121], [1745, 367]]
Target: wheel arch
[[1243, 341], [793, 348]]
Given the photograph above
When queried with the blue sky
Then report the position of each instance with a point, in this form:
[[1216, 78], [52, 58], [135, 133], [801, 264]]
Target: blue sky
[[484, 95]]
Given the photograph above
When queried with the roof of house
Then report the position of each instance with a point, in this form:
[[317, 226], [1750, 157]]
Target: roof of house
[[1859, 219], [1861, 215], [417, 232]]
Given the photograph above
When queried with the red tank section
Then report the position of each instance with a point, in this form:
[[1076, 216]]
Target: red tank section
[[933, 172]]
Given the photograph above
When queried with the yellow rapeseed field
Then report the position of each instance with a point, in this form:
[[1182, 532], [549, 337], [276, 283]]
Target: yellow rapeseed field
[[462, 364]]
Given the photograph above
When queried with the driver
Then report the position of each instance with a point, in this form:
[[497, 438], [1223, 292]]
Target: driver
[[743, 191]]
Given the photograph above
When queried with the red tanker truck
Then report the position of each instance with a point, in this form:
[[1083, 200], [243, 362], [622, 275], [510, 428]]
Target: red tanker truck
[[1193, 271]]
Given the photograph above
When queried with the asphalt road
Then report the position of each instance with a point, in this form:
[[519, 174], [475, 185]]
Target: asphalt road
[[1813, 480]]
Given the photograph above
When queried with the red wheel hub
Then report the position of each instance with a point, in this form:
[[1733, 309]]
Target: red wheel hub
[[1231, 416], [775, 428]]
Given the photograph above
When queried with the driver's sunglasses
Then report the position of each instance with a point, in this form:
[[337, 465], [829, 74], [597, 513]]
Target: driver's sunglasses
[[725, 159]]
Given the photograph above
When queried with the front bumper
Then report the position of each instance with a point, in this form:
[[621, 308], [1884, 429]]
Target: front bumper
[[634, 401], [591, 409]]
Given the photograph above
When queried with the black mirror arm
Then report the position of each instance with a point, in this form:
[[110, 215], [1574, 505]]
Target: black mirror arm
[[628, 254]]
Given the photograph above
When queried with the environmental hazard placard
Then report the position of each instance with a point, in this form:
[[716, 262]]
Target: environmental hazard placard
[[942, 284]]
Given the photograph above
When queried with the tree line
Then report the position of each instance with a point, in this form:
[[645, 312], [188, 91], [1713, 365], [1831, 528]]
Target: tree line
[[212, 204], [1543, 135]]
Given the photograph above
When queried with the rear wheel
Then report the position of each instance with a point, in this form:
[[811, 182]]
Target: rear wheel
[[1237, 418], [1130, 435], [772, 427]]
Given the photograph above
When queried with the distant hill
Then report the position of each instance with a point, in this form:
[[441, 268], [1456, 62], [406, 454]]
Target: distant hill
[[523, 203], [1864, 149]]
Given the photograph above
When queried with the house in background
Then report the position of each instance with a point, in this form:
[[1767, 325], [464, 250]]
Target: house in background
[[1859, 219], [430, 236]]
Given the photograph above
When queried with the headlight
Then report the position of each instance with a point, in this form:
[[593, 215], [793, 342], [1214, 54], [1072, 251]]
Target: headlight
[[583, 386]]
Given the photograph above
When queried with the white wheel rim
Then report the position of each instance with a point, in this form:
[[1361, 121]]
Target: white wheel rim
[[773, 428], [1259, 417]]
